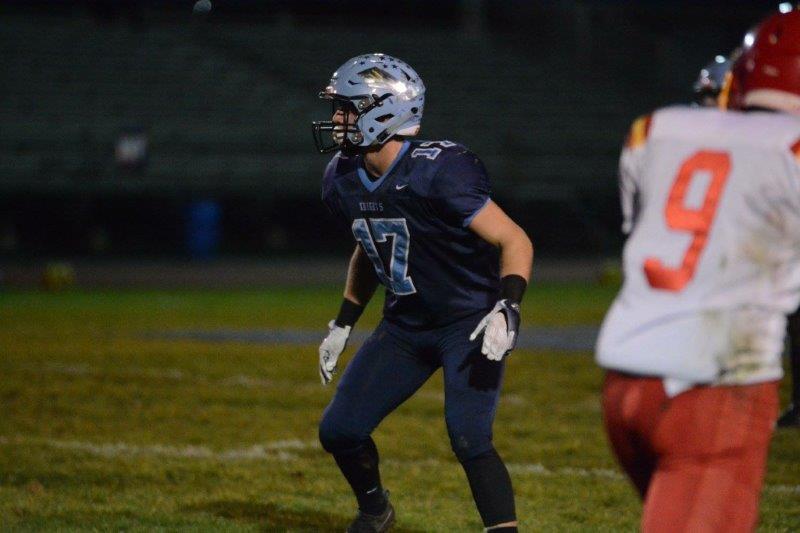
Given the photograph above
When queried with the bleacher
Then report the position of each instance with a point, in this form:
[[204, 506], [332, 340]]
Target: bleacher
[[228, 107], [71, 85], [543, 92]]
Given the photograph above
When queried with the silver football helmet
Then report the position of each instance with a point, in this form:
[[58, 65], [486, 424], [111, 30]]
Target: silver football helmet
[[711, 80], [384, 93]]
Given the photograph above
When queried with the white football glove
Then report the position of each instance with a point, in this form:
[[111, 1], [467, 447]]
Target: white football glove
[[330, 350], [500, 328]]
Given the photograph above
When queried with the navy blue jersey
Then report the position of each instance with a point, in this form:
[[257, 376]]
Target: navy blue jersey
[[412, 222]]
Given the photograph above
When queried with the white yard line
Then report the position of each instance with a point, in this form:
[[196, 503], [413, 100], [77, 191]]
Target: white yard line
[[276, 450], [281, 450], [237, 380], [86, 370]]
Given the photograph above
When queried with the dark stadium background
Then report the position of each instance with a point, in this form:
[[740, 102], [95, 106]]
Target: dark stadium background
[[542, 91], [167, 267]]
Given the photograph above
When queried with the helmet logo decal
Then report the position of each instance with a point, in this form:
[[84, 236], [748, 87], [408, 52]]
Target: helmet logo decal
[[376, 76]]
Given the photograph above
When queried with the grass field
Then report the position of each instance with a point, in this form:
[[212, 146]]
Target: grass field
[[103, 426]]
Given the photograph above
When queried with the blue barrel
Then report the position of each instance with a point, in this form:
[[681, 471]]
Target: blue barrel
[[203, 229]]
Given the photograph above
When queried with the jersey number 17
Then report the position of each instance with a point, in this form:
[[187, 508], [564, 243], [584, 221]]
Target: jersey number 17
[[398, 280]]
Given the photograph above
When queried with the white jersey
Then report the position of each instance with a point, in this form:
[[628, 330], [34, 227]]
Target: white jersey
[[711, 200]]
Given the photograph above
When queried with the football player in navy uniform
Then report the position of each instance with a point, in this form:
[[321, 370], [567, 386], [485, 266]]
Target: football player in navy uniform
[[454, 267]]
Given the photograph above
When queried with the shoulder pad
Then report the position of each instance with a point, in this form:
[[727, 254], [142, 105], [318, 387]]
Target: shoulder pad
[[341, 164], [338, 165], [639, 131]]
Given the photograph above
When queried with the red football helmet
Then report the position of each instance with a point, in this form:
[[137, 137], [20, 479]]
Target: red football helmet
[[767, 73]]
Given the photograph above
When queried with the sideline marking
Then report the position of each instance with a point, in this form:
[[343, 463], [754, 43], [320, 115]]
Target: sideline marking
[[278, 450], [237, 380]]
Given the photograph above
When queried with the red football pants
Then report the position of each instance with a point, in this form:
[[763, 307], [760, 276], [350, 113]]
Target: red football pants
[[697, 459]]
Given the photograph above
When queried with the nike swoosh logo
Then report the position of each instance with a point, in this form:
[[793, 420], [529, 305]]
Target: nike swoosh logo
[[401, 187]]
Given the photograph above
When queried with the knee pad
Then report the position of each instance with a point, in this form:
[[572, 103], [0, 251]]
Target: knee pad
[[467, 443], [332, 436], [336, 437]]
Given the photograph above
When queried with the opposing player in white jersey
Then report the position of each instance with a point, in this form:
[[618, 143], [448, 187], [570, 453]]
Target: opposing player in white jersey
[[707, 88], [692, 343]]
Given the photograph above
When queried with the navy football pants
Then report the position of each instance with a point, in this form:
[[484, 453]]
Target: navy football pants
[[393, 363]]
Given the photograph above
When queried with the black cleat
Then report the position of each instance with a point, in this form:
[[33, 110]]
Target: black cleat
[[370, 523], [790, 418]]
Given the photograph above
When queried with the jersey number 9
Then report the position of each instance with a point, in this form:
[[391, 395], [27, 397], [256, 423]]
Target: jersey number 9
[[697, 222]]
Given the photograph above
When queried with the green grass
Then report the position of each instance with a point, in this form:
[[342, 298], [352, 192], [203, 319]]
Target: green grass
[[101, 428]]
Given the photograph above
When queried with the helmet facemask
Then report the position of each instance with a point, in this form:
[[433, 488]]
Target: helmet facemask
[[339, 133]]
